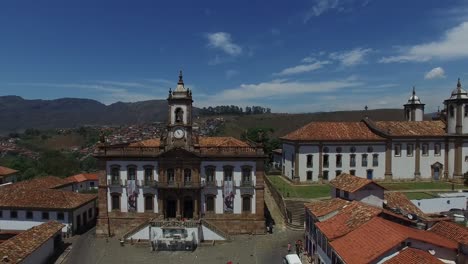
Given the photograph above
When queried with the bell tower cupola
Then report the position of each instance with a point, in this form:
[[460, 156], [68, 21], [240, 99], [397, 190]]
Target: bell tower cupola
[[457, 111], [414, 109]]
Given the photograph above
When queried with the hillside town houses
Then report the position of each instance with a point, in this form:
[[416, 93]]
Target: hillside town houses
[[413, 149], [182, 176]]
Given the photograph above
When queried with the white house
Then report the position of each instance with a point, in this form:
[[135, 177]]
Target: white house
[[8, 175], [30, 203], [35, 245], [383, 150], [353, 188], [84, 181]]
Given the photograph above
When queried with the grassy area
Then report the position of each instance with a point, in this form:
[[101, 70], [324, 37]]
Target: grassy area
[[420, 186], [418, 195], [313, 191]]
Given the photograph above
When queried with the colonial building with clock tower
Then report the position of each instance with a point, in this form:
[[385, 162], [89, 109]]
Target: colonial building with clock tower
[[182, 176]]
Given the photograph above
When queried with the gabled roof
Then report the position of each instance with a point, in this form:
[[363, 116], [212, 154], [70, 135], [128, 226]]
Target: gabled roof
[[221, 142], [46, 182], [4, 171], [413, 256], [348, 219], [451, 231], [333, 131], [351, 183], [24, 244], [376, 237], [324, 207], [82, 177], [411, 128], [397, 200]]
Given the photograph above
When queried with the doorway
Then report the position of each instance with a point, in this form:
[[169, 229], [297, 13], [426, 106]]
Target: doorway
[[188, 207], [436, 173], [436, 170], [370, 174], [171, 208]]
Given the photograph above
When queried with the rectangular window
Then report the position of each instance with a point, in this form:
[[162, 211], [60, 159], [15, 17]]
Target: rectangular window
[[437, 149], [345, 194], [170, 175], [309, 175], [425, 149], [14, 214], [375, 160], [210, 174], [60, 216], [115, 175], [45, 215], [29, 215], [210, 203], [352, 160], [149, 203], [337, 192], [246, 204], [148, 174], [187, 175], [397, 150], [325, 161], [325, 175], [131, 173], [338, 172], [338, 161], [228, 174], [91, 184], [310, 162], [90, 213], [409, 150], [352, 172], [115, 202], [246, 176], [364, 160]]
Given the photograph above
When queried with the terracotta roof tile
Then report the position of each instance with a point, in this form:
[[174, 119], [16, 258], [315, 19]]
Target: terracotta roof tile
[[348, 219], [42, 198], [365, 244], [397, 200], [46, 182], [221, 142], [4, 171], [413, 256], [24, 244], [83, 177], [149, 143], [322, 208], [333, 131], [351, 183], [451, 231], [409, 128]]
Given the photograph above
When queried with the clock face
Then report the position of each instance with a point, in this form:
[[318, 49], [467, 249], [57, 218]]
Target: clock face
[[179, 133]]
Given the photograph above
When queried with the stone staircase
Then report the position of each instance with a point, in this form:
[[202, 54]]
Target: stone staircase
[[216, 229], [295, 214]]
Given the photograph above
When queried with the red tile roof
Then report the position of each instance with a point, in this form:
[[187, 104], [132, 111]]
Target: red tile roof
[[42, 198], [221, 142], [83, 177], [348, 219], [376, 237], [24, 244], [451, 231], [397, 200], [409, 128], [149, 143], [351, 183], [322, 208], [46, 182], [413, 256], [333, 131], [4, 171]]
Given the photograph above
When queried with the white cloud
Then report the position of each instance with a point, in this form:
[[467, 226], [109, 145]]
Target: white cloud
[[274, 89], [223, 41], [351, 57], [302, 68], [453, 45], [320, 7], [231, 73], [435, 73]]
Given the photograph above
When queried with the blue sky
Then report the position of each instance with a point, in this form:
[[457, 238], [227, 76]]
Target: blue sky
[[292, 56]]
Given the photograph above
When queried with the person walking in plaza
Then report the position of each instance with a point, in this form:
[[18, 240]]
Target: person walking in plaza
[[289, 247]]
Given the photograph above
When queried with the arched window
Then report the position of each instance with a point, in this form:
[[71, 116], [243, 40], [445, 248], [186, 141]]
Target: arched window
[[210, 203], [451, 111], [115, 201], [170, 175], [115, 174], [131, 173], [179, 115], [246, 203]]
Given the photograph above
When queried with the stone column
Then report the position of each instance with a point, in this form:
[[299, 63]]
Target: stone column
[[459, 117], [457, 169], [196, 201], [417, 162], [296, 163], [388, 161], [179, 209], [320, 173]]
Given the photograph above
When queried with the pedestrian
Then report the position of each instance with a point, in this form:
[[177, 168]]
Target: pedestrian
[[289, 247], [271, 227]]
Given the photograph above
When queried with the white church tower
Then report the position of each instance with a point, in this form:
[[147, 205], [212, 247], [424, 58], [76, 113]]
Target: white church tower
[[414, 109], [457, 111]]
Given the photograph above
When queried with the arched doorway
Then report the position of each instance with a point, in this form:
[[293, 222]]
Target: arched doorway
[[171, 208], [188, 207], [436, 169]]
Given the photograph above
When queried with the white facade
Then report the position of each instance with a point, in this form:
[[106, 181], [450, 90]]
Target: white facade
[[442, 204], [41, 254]]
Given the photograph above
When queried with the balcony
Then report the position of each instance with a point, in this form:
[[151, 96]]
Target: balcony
[[179, 185], [246, 187], [148, 183], [211, 187], [114, 183]]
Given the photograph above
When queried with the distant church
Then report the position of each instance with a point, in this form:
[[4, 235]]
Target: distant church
[[383, 150], [182, 176]]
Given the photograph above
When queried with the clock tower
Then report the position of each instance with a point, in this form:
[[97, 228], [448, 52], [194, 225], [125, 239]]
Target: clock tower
[[179, 123]]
